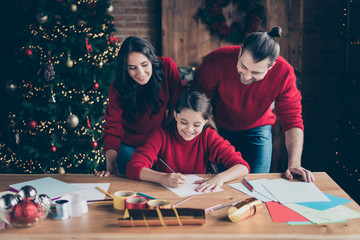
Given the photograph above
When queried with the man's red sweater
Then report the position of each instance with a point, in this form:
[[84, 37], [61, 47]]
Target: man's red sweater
[[240, 107], [117, 130], [187, 157]]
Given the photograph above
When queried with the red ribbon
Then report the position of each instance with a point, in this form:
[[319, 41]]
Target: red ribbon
[[136, 202]]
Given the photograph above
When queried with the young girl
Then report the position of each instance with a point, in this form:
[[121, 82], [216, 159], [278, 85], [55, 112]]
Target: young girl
[[186, 145], [145, 88]]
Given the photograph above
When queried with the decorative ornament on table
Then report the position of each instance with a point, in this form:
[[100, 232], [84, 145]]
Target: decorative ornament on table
[[72, 120], [41, 17], [32, 124], [25, 208], [27, 193], [246, 16]]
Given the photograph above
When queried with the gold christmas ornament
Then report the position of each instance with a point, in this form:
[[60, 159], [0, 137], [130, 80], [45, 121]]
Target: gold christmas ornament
[[69, 63], [86, 98], [61, 170], [72, 121], [73, 8]]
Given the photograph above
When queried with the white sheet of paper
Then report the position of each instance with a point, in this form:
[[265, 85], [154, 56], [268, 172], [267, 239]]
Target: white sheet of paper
[[294, 192], [260, 192], [189, 187], [89, 191], [50, 186]]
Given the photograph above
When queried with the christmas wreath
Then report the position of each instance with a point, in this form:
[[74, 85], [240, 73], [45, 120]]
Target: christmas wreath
[[214, 17]]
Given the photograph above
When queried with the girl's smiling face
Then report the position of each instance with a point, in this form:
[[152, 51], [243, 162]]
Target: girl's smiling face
[[189, 123]]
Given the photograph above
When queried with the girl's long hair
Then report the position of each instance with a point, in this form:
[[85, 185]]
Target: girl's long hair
[[198, 102], [136, 97]]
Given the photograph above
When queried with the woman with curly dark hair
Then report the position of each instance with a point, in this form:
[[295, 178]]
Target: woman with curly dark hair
[[145, 88]]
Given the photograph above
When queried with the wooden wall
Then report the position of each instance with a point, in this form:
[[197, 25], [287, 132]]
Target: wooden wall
[[187, 40]]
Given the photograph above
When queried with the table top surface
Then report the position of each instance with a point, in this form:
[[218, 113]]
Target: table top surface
[[101, 220]]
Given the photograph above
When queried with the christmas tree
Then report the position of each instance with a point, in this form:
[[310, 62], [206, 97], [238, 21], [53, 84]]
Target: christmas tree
[[57, 86]]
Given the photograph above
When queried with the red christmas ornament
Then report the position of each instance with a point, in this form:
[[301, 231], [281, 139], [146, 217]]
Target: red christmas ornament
[[53, 148], [88, 122], [96, 86], [32, 124], [94, 144], [28, 51], [26, 212]]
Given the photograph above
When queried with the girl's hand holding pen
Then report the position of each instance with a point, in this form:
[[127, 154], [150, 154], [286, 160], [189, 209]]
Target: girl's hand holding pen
[[174, 180]]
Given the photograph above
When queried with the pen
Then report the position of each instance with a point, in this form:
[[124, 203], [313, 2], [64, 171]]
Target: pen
[[248, 185], [105, 192], [174, 205], [167, 165], [102, 202], [226, 205], [210, 208], [144, 195]]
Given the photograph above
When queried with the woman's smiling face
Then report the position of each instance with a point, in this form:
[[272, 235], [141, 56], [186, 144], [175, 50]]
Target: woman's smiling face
[[139, 67]]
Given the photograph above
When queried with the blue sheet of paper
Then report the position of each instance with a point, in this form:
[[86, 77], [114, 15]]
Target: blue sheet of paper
[[49, 186], [334, 201]]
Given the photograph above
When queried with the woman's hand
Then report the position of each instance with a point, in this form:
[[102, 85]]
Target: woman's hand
[[174, 180], [111, 168], [107, 173], [209, 185]]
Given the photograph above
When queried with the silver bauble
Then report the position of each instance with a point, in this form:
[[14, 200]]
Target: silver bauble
[[44, 200], [8, 200], [72, 121], [27, 192]]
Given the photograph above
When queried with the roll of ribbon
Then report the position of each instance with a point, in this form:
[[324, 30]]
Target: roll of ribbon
[[158, 203], [62, 210], [119, 198], [78, 205], [244, 209], [136, 202]]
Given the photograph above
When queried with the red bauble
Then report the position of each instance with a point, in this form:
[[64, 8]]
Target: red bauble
[[26, 212], [53, 148], [32, 124], [94, 144], [96, 86], [28, 51]]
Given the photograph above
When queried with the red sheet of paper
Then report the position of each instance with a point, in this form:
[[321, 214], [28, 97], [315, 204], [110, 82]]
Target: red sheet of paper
[[280, 213]]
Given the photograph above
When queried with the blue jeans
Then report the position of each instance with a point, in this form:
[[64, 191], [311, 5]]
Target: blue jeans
[[255, 145], [124, 157]]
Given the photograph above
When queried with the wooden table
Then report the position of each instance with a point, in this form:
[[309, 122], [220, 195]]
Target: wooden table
[[101, 220]]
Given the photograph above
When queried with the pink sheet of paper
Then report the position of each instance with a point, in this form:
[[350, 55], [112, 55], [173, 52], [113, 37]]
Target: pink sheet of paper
[[280, 213]]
